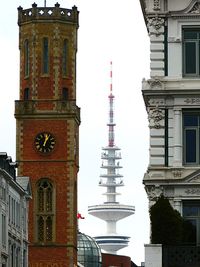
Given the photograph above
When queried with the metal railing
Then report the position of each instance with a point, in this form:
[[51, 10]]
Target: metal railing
[[181, 256]]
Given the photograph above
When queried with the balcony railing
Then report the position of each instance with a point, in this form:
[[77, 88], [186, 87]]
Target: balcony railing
[[181, 256]]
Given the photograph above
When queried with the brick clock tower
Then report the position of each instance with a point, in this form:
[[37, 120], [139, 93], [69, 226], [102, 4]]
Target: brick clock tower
[[48, 121]]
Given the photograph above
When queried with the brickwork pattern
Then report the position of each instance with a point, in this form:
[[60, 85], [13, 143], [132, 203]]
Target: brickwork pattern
[[42, 113]]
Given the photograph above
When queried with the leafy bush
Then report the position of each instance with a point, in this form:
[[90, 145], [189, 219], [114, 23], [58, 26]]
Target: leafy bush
[[167, 225]]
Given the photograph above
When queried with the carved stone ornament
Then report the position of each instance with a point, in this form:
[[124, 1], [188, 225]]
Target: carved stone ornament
[[177, 173], [192, 191], [156, 84], [154, 25], [156, 102], [196, 8], [195, 179], [154, 192], [155, 116], [156, 4], [195, 101]]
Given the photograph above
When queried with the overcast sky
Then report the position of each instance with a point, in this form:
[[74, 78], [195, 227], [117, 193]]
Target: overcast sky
[[109, 30]]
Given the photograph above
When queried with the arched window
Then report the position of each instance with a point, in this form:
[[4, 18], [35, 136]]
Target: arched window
[[65, 93], [26, 93], [45, 62], [45, 211], [26, 58], [65, 57]]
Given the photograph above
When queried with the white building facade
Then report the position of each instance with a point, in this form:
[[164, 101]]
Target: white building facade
[[172, 100], [15, 193]]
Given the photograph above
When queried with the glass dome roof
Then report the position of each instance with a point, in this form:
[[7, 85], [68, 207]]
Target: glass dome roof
[[89, 252]]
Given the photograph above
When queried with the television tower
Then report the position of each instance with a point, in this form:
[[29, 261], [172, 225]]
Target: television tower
[[111, 211]]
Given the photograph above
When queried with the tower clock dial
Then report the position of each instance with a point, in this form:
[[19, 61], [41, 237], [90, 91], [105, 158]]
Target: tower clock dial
[[44, 142]]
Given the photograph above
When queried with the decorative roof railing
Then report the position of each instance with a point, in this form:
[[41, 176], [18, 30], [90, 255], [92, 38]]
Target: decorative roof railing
[[47, 13]]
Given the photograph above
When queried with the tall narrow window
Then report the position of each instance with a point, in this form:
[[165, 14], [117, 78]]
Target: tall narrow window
[[26, 58], [24, 220], [191, 52], [65, 57], [45, 55], [17, 264], [4, 261], [65, 93], [24, 258], [191, 213], [13, 255], [40, 229], [26, 93], [49, 233], [45, 213], [191, 137], [3, 230]]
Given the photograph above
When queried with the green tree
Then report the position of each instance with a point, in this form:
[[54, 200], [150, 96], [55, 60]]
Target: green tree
[[166, 223]]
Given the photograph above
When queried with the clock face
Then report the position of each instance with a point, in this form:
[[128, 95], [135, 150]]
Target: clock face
[[44, 142]]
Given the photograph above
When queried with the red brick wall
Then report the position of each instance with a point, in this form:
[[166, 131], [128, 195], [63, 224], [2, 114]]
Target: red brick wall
[[115, 260], [61, 165]]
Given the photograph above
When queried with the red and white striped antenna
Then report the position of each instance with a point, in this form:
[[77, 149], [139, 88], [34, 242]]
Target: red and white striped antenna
[[110, 76], [111, 124]]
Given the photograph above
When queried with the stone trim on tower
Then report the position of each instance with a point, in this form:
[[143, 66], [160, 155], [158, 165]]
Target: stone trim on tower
[[48, 120]]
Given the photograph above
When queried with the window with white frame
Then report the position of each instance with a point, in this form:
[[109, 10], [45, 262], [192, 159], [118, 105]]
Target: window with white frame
[[191, 137], [191, 52], [3, 230]]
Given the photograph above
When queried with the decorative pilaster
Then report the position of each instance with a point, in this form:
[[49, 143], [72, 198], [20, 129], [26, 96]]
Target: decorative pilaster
[[157, 134], [177, 205], [177, 139], [156, 33]]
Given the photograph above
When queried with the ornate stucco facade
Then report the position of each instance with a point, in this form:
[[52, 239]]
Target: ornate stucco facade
[[172, 100]]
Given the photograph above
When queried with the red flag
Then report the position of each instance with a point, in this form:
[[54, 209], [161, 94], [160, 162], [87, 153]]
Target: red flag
[[79, 216]]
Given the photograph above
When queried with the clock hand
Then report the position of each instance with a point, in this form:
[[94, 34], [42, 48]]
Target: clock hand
[[46, 139]]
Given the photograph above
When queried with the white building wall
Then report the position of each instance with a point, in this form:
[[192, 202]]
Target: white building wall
[[13, 199], [168, 90], [173, 89], [153, 255], [176, 5], [156, 48]]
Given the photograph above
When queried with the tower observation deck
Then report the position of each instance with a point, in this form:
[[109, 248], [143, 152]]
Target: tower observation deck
[[111, 211]]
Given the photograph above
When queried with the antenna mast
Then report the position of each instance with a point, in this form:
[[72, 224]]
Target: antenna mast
[[111, 124]]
